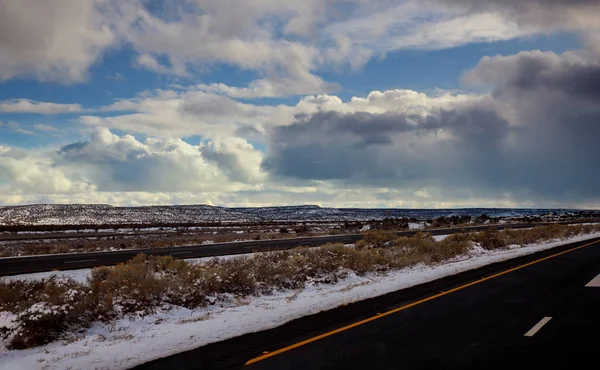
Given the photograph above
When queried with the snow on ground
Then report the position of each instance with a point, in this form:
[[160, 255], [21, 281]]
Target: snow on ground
[[415, 225], [77, 275], [130, 342], [438, 238]]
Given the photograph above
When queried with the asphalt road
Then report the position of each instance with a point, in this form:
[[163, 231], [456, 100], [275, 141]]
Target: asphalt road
[[533, 312], [482, 326], [77, 235], [70, 261]]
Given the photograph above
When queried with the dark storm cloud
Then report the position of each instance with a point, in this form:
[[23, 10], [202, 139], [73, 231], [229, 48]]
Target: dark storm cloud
[[548, 152], [570, 73], [383, 148]]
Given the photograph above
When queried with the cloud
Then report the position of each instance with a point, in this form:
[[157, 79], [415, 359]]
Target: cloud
[[542, 88], [30, 106], [543, 16], [574, 74], [286, 42], [392, 148], [117, 164], [117, 77], [54, 40], [45, 128], [186, 113], [26, 172], [149, 62], [547, 15], [16, 127], [302, 84], [531, 139], [180, 113]]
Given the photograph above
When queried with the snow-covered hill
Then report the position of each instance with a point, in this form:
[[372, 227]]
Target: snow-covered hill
[[86, 214]]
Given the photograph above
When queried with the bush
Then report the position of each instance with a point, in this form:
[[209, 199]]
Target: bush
[[126, 288], [418, 243], [453, 246], [45, 309], [379, 238], [489, 239], [361, 244]]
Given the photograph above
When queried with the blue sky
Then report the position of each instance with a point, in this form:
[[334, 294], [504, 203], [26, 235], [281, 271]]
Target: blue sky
[[378, 104]]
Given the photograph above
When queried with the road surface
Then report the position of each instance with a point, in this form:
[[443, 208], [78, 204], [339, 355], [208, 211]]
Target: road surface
[[535, 312], [70, 261]]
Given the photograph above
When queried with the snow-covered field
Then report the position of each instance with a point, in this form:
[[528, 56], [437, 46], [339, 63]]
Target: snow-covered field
[[133, 341]]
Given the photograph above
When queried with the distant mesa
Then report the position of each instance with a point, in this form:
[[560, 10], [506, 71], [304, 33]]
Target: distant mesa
[[104, 214]]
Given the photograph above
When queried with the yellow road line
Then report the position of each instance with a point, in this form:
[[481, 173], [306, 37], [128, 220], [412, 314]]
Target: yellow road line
[[378, 316]]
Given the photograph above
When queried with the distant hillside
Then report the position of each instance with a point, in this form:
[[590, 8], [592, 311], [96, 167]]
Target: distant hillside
[[86, 214]]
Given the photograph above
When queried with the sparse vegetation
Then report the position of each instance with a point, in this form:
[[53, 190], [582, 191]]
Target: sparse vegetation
[[93, 244], [493, 239], [102, 237], [48, 309]]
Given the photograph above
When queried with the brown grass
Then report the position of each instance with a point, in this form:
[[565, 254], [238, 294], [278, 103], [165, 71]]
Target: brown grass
[[379, 238]]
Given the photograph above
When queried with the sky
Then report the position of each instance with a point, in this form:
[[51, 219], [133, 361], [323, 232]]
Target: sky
[[343, 103]]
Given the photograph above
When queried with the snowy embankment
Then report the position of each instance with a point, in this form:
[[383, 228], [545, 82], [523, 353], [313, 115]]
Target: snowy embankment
[[132, 341]]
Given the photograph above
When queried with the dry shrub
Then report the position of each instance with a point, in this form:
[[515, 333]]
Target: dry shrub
[[423, 245], [361, 244], [453, 246], [545, 233], [379, 238], [419, 242], [61, 248], [322, 265], [279, 271], [45, 310], [367, 260], [236, 277], [489, 239], [126, 288]]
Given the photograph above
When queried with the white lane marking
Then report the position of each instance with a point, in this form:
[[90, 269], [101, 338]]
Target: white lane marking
[[594, 283], [537, 327], [80, 261]]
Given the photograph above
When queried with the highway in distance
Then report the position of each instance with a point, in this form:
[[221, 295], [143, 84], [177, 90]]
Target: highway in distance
[[70, 261], [535, 312]]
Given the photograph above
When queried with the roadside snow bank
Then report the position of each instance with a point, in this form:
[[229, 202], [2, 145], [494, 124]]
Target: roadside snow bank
[[77, 275], [130, 342]]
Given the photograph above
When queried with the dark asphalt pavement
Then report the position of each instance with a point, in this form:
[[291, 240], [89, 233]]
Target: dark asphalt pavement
[[482, 326], [70, 261], [473, 320]]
